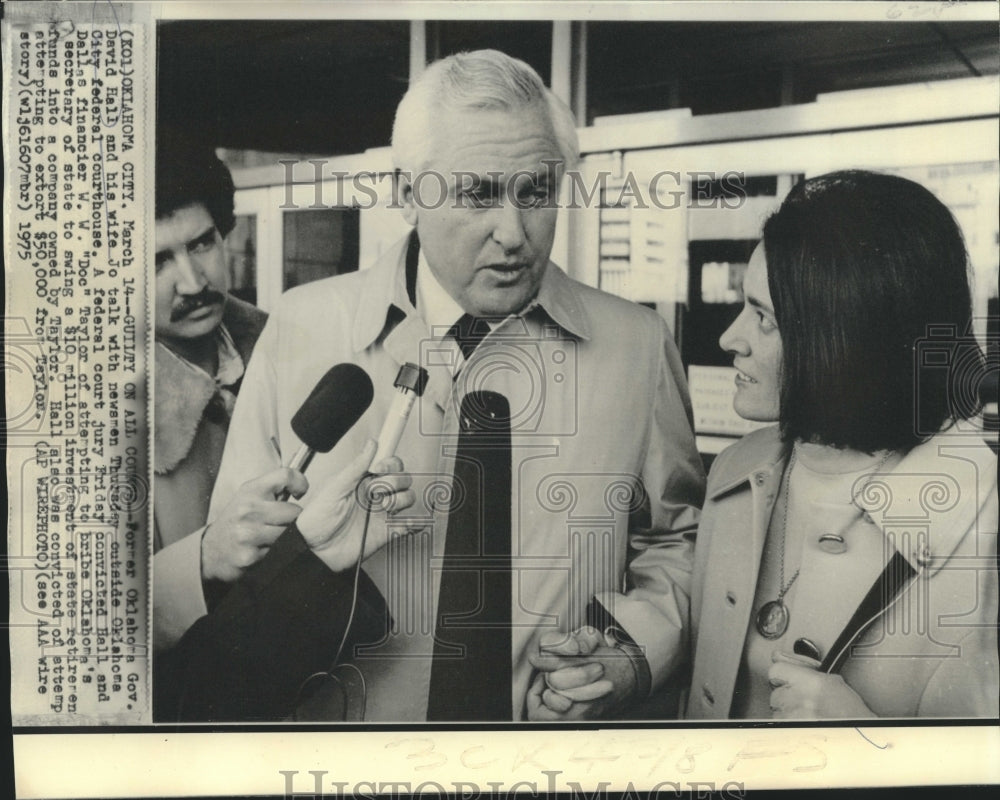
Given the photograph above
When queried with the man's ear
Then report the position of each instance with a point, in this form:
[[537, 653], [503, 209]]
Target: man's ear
[[404, 193]]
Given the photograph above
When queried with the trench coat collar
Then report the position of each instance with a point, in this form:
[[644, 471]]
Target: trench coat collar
[[559, 298], [923, 508], [937, 488], [750, 464], [920, 491], [385, 301]]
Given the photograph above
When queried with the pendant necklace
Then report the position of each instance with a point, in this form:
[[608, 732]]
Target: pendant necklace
[[772, 619]]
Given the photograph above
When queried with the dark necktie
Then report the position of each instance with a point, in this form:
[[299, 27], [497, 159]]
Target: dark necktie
[[469, 331], [471, 671]]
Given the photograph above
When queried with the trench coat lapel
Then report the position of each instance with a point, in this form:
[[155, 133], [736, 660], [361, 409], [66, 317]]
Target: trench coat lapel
[[758, 471], [406, 335], [830, 587], [921, 508]]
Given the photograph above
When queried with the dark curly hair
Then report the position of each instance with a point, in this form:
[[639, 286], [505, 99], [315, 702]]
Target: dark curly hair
[[862, 267], [187, 172]]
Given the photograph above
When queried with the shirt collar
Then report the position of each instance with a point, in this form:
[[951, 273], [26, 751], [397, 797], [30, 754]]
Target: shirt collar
[[230, 368], [438, 308], [385, 302], [231, 365]]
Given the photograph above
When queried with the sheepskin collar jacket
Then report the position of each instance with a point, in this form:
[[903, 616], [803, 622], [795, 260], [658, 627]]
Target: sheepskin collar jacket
[[191, 419], [183, 391]]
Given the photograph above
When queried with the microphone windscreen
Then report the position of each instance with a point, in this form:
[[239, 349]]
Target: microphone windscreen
[[335, 404]]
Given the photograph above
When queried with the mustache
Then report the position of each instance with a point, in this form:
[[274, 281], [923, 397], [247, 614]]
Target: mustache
[[192, 302]]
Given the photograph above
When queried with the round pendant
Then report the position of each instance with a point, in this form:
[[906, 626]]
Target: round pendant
[[772, 620]]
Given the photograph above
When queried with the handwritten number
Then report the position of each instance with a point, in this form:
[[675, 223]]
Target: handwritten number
[[425, 751]]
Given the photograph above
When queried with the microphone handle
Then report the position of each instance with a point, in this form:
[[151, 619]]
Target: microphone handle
[[299, 462], [395, 423]]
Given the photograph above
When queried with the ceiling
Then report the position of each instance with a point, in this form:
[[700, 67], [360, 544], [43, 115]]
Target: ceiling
[[331, 87]]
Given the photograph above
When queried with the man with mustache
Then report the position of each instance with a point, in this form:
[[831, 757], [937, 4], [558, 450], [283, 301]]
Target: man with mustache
[[204, 336], [552, 586]]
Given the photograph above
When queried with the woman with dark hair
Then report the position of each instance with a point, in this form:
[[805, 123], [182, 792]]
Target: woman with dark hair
[[846, 559]]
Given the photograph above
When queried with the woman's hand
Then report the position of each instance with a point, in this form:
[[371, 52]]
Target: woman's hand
[[800, 691], [333, 522]]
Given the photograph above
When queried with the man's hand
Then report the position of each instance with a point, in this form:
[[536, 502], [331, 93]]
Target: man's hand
[[801, 691], [581, 676], [333, 522], [249, 524]]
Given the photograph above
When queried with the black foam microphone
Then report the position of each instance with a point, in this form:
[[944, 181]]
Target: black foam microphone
[[338, 400]]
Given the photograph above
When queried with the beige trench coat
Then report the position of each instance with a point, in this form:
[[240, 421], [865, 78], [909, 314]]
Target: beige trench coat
[[934, 653]]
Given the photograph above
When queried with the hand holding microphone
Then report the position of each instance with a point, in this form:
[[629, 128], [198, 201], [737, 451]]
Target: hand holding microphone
[[333, 522], [259, 512], [249, 523], [241, 533]]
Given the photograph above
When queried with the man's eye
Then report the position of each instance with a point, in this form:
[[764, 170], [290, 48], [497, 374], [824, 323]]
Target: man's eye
[[164, 260], [202, 246], [482, 197], [535, 198]]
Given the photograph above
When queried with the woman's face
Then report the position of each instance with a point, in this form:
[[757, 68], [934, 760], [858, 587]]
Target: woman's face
[[755, 342]]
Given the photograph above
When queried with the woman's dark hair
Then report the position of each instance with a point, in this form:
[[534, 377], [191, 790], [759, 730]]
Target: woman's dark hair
[[187, 172], [869, 278]]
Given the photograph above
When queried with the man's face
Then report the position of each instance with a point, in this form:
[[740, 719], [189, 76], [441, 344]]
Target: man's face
[[191, 276], [486, 224]]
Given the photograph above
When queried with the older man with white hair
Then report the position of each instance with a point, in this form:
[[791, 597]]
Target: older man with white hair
[[544, 573]]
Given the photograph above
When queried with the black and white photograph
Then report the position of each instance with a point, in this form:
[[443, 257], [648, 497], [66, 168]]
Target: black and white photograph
[[427, 374]]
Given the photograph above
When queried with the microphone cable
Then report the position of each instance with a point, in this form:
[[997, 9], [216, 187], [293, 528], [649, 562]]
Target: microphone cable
[[329, 673]]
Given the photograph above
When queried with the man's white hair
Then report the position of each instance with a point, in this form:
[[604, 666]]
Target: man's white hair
[[486, 80]]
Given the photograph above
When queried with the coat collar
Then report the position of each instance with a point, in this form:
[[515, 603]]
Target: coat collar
[[183, 391], [385, 300], [939, 485], [559, 298], [759, 453], [244, 322]]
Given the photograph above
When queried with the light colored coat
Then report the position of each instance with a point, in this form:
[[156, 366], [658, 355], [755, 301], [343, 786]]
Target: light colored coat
[[934, 653], [600, 407]]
